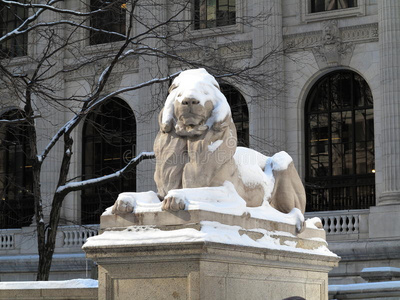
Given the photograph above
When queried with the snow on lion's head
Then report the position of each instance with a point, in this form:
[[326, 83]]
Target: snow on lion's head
[[194, 104]]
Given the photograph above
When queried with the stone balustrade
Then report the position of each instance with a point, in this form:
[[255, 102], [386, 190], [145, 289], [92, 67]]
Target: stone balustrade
[[15, 241], [76, 236], [7, 238], [344, 223]]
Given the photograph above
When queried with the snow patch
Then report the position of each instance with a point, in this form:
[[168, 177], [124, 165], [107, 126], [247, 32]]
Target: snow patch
[[380, 269], [257, 169], [221, 199], [139, 235], [364, 287], [279, 161], [251, 167], [141, 202], [247, 156], [314, 223], [291, 243], [64, 284]]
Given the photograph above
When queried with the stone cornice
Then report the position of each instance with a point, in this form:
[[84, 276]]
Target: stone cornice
[[235, 50], [352, 34], [92, 71]]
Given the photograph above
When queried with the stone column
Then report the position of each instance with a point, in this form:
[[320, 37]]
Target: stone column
[[389, 42], [268, 111]]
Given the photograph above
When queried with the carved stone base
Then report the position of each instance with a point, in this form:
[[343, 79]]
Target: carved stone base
[[210, 270]]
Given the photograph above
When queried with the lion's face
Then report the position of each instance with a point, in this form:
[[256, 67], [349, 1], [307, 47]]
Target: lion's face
[[191, 115], [194, 104]]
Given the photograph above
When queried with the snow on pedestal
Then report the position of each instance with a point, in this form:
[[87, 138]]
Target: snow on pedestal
[[75, 289]]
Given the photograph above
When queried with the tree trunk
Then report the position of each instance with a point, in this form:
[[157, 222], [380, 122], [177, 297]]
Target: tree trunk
[[46, 257], [36, 170]]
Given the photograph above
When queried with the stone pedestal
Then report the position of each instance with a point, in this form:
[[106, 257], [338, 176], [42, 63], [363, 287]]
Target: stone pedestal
[[211, 270]]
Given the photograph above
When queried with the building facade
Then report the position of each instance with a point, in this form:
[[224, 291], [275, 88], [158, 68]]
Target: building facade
[[332, 105]]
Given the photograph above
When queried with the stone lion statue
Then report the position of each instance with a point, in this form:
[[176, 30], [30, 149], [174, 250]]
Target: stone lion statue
[[197, 147]]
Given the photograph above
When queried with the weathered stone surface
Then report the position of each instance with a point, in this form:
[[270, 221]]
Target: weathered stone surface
[[209, 270], [192, 218]]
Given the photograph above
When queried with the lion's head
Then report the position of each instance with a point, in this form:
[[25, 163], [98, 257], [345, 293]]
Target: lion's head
[[195, 104]]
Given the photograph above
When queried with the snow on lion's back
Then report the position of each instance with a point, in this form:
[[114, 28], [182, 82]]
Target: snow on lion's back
[[198, 84], [256, 169]]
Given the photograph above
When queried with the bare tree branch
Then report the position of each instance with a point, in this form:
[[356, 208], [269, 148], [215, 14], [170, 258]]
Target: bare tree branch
[[79, 185]]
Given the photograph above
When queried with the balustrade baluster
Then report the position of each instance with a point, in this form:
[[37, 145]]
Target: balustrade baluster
[[346, 227], [338, 225], [356, 220]]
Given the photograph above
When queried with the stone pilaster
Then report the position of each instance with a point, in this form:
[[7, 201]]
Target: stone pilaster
[[389, 42], [53, 116], [268, 114], [149, 97]]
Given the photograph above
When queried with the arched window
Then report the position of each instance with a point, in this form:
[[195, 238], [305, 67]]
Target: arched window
[[240, 113], [340, 163], [109, 140], [16, 179]]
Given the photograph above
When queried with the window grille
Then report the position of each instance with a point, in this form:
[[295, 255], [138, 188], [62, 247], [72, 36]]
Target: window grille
[[214, 13], [240, 113], [109, 141], [340, 160], [328, 5], [12, 16], [111, 18], [16, 177]]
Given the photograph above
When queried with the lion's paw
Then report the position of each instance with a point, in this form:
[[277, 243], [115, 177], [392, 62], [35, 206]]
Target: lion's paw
[[171, 203], [122, 206]]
